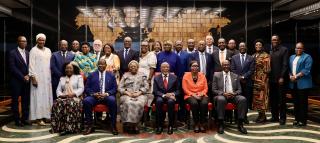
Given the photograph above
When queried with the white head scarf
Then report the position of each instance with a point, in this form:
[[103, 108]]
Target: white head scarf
[[41, 35]]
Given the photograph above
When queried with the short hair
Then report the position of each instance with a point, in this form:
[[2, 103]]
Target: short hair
[[154, 44], [110, 45], [259, 40], [85, 43], [76, 69], [192, 62]]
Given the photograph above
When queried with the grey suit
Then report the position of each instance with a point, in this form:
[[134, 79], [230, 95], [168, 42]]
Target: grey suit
[[220, 101]]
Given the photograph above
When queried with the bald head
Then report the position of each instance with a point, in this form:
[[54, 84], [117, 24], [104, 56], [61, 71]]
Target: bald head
[[191, 44], [165, 68], [63, 45], [127, 42], [102, 64], [226, 66], [201, 46], [178, 45], [75, 45], [22, 42], [222, 44], [209, 40]]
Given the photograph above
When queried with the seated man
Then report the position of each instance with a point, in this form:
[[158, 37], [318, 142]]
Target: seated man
[[165, 89], [101, 87], [226, 88]]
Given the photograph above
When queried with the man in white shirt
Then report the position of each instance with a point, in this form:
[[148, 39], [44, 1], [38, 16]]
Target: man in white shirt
[[210, 48], [191, 46], [97, 46], [226, 88], [75, 47]]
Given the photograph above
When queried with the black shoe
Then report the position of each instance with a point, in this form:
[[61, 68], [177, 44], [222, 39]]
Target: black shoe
[[301, 124], [63, 133], [202, 128], [26, 123], [295, 123], [242, 129], [273, 120], [159, 130], [88, 130], [114, 131], [19, 124], [221, 129], [170, 130], [196, 128], [282, 122]]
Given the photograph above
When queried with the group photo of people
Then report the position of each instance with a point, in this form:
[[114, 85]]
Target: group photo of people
[[62, 88]]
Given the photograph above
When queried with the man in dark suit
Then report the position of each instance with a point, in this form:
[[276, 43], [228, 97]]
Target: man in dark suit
[[226, 88], [184, 60], [165, 90], [210, 48], [18, 64], [243, 65], [126, 55], [101, 87], [58, 59], [204, 59], [278, 79], [233, 47], [221, 55]]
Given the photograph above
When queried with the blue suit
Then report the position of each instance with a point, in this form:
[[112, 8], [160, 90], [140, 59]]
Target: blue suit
[[56, 65], [18, 69], [184, 61], [304, 65], [246, 70], [301, 86], [93, 86]]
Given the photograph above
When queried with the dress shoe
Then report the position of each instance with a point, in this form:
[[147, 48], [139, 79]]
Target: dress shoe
[[63, 133], [295, 123], [170, 130], [262, 119], [19, 124], [220, 129], [114, 131], [26, 123], [51, 131], [202, 129], [273, 120], [242, 129], [301, 124], [159, 130], [41, 123], [88, 130], [282, 122], [196, 128]]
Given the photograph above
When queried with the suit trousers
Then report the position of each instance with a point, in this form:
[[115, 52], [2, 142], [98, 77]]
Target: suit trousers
[[199, 109], [300, 99], [20, 88], [277, 101], [240, 101], [160, 114]]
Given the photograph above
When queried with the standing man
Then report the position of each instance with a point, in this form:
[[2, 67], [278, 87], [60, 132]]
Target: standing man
[[97, 46], [126, 55], [20, 81], [278, 74], [184, 59], [170, 57], [75, 47], [221, 55], [210, 48], [232, 46], [243, 65], [191, 46], [41, 88], [58, 59]]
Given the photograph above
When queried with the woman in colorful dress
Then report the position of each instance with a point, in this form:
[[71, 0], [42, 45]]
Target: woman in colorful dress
[[260, 78], [112, 60], [86, 61], [133, 88], [66, 111]]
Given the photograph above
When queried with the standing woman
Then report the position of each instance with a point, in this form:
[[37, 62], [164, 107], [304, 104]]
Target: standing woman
[[261, 80], [41, 90], [156, 47], [147, 66], [86, 61], [112, 60], [133, 88], [300, 82], [66, 111]]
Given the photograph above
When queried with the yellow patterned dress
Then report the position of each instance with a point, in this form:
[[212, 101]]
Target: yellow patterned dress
[[260, 78]]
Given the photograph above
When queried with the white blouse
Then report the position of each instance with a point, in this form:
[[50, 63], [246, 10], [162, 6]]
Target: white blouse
[[76, 82]]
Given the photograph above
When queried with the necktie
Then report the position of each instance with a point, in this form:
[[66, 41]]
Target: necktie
[[222, 58], [125, 54], [210, 50], [101, 83], [242, 60], [23, 53], [226, 83], [64, 56], [165, 82], [203, 63]]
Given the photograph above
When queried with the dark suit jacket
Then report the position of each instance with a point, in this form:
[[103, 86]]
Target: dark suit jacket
[[56, 65], [216, 61], [93, 85], [184, 61], [18, 68], [158, 86], [132, 55], [279, 63], [218, 83], [209, 69], [248, 68]]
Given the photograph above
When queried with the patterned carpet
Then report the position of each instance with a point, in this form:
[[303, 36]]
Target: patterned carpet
[[270, 132]]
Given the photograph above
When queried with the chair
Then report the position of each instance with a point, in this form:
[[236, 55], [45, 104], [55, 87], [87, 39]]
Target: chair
[[100, 108], [188, 109], [165, 109], [230, 107]]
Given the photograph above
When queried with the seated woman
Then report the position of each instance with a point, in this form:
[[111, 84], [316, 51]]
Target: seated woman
[[195, 87], [86, 61], [133, 88], [66, 110], [113, 61]]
